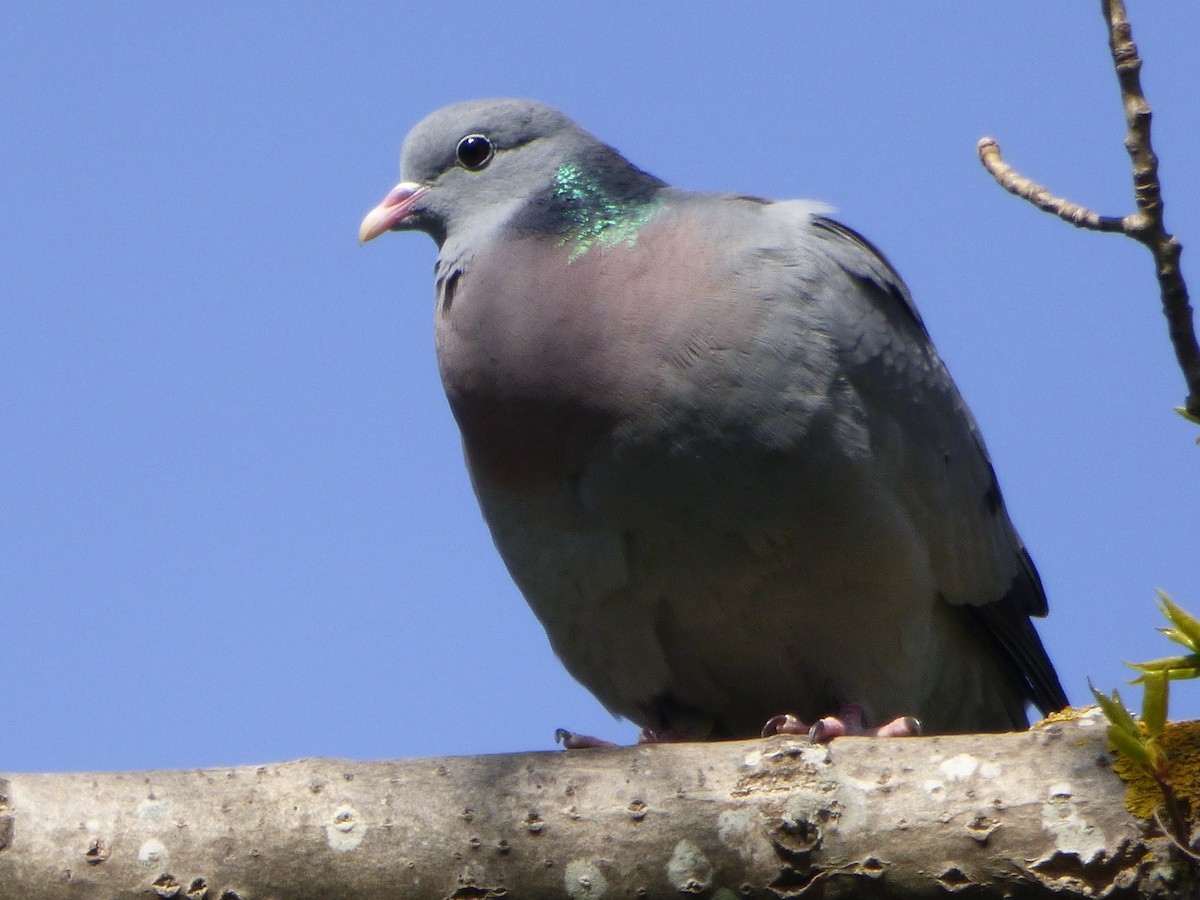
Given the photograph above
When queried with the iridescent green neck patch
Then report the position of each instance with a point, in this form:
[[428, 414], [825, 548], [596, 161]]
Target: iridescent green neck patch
[[595, 217]]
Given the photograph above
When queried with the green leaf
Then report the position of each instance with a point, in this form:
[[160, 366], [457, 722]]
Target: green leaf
[[1132, 747], [1181, 674], [1166, 663], [1172, 635], [1154, 702], [1187, 415], [1186, 626], [1114, 710], [1175, 667]]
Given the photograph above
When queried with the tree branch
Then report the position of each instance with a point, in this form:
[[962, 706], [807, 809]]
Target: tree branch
[[1146, 225], [1035, 814]]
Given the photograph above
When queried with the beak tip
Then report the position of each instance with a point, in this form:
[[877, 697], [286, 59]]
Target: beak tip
[[373, 225], [393, 210]]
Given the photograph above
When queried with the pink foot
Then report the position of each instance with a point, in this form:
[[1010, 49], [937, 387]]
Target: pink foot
[[849, 721], [573, 741]]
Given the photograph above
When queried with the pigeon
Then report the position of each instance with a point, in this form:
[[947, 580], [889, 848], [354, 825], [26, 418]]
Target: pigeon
[[714, 445]]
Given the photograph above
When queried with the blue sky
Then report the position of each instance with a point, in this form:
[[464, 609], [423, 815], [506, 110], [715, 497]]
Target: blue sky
[[235, 525]]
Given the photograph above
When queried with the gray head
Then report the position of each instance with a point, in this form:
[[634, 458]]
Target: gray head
[[476, 164]]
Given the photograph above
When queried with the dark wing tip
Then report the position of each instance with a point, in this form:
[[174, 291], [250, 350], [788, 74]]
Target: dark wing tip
[[1006, 628]]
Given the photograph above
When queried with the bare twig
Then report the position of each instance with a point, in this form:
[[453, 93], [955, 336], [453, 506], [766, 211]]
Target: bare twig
[[1146, 225], [1179, 831], [1172, 836], [1027, 189]]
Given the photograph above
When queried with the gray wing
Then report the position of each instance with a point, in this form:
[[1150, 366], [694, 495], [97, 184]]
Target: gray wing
[[924, 433]]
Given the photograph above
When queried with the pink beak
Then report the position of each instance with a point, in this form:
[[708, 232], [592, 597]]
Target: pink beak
[[392, 210]]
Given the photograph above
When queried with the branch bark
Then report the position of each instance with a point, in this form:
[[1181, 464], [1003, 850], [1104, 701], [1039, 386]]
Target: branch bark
[[1146, 226], [1036, 814]]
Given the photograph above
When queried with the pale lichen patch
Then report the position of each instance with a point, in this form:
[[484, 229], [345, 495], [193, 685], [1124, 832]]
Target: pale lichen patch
[[154, 810], [583, 880], [737, 828], [346, 831], [816, 754], [689, 869], [959, 768], [1062, 816], [152, 852], [752, 759]]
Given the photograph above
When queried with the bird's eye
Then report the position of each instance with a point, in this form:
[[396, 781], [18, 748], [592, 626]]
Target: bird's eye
[[474, 152]]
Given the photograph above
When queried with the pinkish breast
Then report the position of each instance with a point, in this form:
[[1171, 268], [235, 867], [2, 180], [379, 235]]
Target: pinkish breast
[[542, 357]]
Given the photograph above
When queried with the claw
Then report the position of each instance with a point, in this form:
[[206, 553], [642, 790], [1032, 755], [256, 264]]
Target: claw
[[784, 724]]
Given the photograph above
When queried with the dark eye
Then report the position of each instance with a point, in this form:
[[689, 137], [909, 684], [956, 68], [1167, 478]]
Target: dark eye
[[475, 151]]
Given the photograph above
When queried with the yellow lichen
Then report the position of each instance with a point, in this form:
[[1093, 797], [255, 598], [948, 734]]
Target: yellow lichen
[[1180, 742], [1066, 714]]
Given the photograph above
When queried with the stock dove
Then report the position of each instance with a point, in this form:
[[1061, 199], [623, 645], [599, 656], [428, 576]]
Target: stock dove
[[714, 445]]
